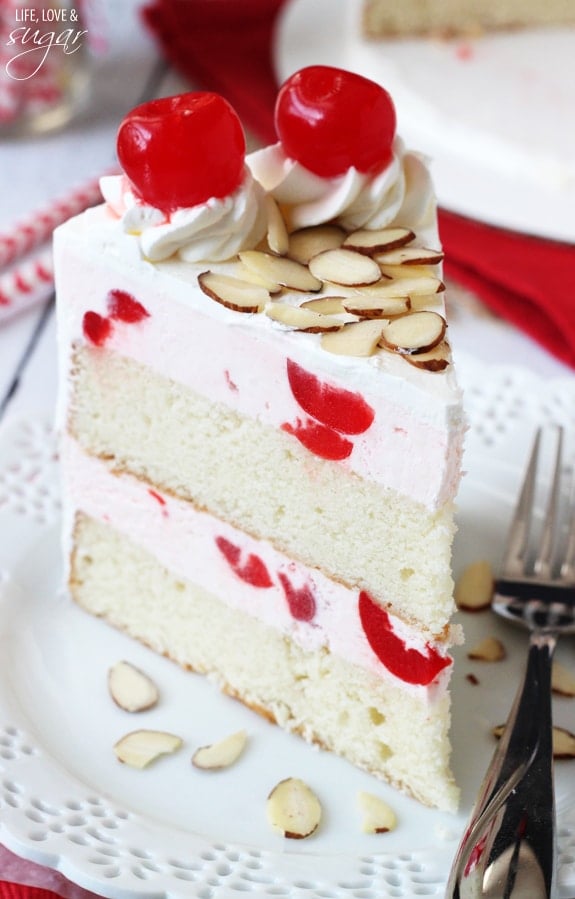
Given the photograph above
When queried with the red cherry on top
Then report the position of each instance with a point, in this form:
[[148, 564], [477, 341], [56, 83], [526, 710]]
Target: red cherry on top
[[181, 151], [329, 120]]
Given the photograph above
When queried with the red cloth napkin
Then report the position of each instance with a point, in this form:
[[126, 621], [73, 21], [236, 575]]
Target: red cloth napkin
[[16, 891], [226, 46]]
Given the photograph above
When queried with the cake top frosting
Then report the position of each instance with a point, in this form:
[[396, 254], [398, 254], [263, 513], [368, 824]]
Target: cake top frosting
[[331, 231]]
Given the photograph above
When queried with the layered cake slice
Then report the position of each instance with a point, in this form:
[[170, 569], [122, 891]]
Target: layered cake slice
[[261, 426]]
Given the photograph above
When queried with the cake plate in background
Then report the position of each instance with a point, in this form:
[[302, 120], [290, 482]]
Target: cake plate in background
[[494, 113]]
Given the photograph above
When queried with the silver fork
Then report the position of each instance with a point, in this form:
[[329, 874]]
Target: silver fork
[[509, 847]]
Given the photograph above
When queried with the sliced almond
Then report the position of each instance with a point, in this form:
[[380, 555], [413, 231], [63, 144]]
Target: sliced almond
[[370, 242], [367, 306], [345, 267], [309, 242], [278, 238], [325, 305], [425, 303], [416, 333], [140, 748], [330, 306], [563, 741], [293, 809], [130, 688], [410, 287], [234, 293], [355, 339], [436, 359], [563, 680], [411, 256], [378, 816], [280, 269], [221, 754], [302, 319], [490, 649], [403, 272], [244, 274], [474, 587]]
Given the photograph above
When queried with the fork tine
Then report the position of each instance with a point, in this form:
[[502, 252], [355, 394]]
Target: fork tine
[[543, 561], [513, 559]]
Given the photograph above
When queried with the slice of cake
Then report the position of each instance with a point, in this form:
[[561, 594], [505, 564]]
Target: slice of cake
[[262, 430], [387, 18]]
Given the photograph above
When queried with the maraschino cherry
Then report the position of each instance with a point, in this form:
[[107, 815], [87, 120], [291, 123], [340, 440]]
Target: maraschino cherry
[[328, 120], [181, 151]]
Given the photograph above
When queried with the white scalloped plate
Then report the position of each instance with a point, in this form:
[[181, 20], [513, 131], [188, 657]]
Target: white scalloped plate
[[171, 831], [494, 113]]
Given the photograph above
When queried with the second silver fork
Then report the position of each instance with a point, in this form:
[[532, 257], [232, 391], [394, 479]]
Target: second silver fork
[[509, 846]]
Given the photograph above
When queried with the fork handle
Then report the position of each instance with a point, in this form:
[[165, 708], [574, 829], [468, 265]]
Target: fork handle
[[509, 846]]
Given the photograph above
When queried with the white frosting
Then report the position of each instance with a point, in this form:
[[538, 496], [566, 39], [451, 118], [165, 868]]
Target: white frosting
[[214, 230], [402, 194], [183, 539]]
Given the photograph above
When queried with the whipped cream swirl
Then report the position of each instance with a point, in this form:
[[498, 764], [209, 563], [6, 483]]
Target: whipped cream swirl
[[402, 194], [212, 231]]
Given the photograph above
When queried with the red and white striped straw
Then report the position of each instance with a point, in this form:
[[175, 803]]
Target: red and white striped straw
[[26, 284], [37, 227]]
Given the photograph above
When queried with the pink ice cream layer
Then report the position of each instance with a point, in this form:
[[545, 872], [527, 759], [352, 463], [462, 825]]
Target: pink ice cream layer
[[241, 361], [245, 573]]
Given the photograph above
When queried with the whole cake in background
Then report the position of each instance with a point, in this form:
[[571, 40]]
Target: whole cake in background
[[387, 18], [261, 426]]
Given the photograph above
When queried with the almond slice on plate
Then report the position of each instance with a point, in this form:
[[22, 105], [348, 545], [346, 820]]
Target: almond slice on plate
[[378, 816], [490, 649], [302, 319], [563, 741], [278, 238], [221, 754], [280, 269], [309, 242], [411, 256], [139, 748], [378, 241], [474, 587], [345, 267], [130, 688], [415, 333], [293, 809], [355, 339], [563, 680], [436, 359], [368, 306], [234, 293]]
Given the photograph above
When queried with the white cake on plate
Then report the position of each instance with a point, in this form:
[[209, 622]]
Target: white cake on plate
[[261, 425]]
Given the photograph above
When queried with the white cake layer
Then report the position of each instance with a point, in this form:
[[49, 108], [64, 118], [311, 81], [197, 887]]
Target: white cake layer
[[374, 723], [414, 443], [261, 481], [193, 544]]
